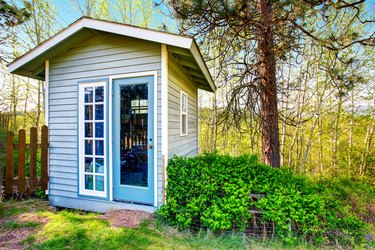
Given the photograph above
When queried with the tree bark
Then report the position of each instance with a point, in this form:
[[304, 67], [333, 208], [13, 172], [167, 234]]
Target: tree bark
[[267, 86]]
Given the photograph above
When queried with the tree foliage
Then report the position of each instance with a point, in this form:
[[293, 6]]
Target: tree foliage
[[11, 15], [250, 40]]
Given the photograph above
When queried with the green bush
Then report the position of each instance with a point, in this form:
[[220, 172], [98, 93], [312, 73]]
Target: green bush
[[212, 191]]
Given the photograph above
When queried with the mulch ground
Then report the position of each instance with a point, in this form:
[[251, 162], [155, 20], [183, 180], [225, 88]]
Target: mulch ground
[[126, 218], [11, 238]]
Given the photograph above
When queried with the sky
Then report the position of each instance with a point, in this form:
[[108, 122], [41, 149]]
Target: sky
[[67, 13]]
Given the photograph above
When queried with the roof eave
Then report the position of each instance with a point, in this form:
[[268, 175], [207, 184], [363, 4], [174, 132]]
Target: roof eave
[[111, 27], [115, 28], [202, 65]]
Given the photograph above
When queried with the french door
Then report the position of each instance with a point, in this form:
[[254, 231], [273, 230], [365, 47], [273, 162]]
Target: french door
[[133, 139]]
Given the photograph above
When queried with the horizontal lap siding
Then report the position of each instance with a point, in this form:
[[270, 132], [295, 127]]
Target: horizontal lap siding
[[99, 57], [177, 81]]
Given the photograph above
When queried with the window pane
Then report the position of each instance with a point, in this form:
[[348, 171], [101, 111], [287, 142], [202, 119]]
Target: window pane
[[88, 94], [99, 165], [135, 103], [88, 147], [99, 129], [99, 148], [99, 112], [143, 103], [88, 129], [93, 125], [89, 182], [88, 164], [88, 112], [99, 94], [183, 125], [183, 103], [133, 153], [99, 183]]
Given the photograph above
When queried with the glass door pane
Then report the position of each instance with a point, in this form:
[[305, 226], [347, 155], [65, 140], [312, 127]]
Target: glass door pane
[[133, 135]]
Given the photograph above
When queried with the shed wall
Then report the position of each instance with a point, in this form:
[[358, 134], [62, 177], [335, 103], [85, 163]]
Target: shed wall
[[178, 80], [98, 57]]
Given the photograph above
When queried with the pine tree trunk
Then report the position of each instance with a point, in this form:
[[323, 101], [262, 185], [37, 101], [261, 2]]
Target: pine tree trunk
[[267, 86]]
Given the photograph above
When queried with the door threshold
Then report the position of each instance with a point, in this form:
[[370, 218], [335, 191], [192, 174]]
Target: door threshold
[[133, 202]]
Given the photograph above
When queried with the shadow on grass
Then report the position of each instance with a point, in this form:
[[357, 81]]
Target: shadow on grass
[[72, 230], [75, 230]]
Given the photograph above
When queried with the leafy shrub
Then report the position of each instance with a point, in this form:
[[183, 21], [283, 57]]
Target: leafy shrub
[[41, 194], [212, 191]]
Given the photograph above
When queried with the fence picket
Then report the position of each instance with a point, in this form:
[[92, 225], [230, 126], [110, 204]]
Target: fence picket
[[21, 147], [9, 167], [21, 161], [44, 158], [33, 154]]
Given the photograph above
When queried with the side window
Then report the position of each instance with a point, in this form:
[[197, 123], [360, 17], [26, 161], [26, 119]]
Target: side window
[[183, 113], [92, 141]]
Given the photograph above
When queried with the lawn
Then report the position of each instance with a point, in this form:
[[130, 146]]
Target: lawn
[[33, 224]]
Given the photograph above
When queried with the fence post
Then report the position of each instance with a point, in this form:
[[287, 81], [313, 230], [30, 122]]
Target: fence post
[[21, 160], [44, 158], [9, 167], [33, 154]]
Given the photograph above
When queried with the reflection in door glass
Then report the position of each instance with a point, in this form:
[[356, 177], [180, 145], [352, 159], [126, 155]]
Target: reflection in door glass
[[133, 135]]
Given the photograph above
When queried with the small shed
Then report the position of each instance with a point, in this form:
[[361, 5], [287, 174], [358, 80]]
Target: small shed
[[119, 100]]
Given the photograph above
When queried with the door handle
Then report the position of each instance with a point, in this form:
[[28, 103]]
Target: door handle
[[149, 146]]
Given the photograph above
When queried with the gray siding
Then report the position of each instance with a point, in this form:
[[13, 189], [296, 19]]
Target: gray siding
[[177, 81], [98, 57]]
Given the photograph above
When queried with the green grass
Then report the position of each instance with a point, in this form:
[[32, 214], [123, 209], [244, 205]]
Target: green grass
[[14, 224], [12, 207], [72, 229]]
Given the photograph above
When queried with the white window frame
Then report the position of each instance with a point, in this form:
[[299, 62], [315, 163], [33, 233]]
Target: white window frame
[[184, 113], [81, 142]]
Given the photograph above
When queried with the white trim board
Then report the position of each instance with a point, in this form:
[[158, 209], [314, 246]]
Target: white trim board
[[164, 110], [46, 109], [111, 78], [46, 92], [164, 98]]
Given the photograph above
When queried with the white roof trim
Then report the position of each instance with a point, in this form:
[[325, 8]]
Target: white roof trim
[[59, 37], [120, 29], [141, 33], [116, 28]]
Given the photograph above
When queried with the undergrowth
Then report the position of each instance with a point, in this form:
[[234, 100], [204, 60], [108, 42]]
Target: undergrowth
[[211, 192]]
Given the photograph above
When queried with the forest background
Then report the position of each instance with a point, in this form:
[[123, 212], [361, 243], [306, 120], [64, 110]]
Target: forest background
[[326, 103]]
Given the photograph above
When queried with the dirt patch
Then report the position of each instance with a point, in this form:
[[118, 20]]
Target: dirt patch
[[31, 217], [126, 218], [16, 228], [25, 226], [12, 239], [24, 218], [370, 216]]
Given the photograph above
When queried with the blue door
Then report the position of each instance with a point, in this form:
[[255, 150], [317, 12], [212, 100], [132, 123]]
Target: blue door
[[133, 139]]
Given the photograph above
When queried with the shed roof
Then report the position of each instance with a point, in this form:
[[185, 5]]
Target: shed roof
[[183, 48]]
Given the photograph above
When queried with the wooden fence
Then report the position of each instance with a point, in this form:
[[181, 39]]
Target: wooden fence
[[21, 184]]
